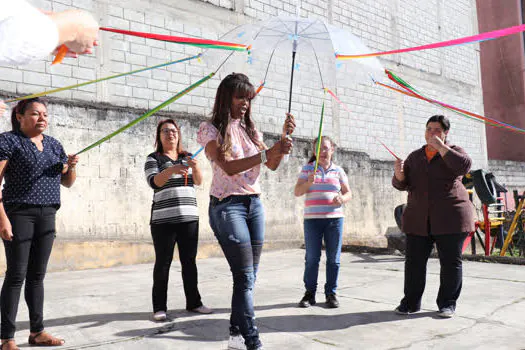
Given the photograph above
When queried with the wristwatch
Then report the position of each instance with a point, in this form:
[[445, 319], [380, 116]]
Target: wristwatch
[[263, 157]]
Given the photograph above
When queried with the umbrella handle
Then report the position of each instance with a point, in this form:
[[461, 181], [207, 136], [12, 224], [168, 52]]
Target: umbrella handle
[[286, 157]]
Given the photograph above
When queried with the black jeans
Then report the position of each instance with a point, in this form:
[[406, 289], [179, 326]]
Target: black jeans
[[26, 256], [165, 236], [451, 275]]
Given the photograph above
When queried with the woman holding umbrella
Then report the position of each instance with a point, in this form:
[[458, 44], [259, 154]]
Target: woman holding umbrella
[[236, 151]]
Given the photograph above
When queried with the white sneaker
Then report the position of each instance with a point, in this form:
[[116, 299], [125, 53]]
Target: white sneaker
[[202, 310], [236, 342], [160, 316]]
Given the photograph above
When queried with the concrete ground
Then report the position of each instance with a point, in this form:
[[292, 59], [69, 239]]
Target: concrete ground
[[111, 308]]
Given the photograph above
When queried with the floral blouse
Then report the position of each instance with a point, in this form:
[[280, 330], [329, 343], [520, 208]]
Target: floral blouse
[[244, 183]]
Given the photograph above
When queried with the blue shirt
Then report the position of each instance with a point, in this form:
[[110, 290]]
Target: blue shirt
[[31, 176]]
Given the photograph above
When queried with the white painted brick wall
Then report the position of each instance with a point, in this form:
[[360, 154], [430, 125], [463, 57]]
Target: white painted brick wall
[[449, 74]]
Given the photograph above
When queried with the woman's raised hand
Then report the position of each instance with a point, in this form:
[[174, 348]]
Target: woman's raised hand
[[192, 163], [72, 161], [283, 146], [179, 169], [398, 169], [77, 30], [289, 124]]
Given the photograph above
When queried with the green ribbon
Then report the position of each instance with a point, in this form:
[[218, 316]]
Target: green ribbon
[[44, 93], [148, 114], [436, 103], [319, 135]]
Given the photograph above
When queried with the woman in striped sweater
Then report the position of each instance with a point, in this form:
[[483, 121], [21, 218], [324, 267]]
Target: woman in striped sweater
[[326, 191], [171, 173]]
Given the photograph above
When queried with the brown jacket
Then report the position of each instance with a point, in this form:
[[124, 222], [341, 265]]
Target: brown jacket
[[436, 196]]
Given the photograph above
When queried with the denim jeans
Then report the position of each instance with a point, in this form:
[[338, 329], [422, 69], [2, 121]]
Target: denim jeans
[[238, 224], [314, 231], [27, 256]]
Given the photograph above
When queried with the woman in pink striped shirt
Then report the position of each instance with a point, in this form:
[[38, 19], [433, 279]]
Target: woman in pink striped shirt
[[326, 192]]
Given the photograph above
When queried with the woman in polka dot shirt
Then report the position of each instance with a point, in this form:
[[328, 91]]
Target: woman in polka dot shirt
[[33, 166]]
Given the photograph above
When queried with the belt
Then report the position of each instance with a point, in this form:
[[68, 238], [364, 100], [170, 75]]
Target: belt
[[217, 200]]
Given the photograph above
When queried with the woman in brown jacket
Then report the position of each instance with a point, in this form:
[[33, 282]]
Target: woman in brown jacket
[[438, 211]]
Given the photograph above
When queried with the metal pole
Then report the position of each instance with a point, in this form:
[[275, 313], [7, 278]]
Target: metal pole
[[291, 82], [487, 229], [294, 51]]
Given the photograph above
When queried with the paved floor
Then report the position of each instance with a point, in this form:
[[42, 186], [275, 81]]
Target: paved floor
[[111, 308]]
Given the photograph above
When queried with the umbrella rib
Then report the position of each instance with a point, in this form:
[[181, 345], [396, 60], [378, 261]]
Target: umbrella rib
[[274, 29], [271, 57], [311, 24], [328, 31], [285, 25], [272, 35], [269, 28], [317, 60], [223, 62], [312, 35]]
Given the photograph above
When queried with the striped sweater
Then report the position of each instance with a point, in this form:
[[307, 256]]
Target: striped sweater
[[174, 202], [318, 202]]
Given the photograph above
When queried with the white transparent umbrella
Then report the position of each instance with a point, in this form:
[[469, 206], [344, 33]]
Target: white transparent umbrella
[[282, 46]]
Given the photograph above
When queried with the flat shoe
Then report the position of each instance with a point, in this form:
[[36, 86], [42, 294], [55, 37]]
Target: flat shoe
[[202, 310]]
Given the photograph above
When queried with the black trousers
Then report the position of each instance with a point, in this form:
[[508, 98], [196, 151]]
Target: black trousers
[[27, 256], [165, 236], [451, 275]]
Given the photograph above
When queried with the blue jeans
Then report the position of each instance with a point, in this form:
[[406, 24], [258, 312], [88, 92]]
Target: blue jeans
[[238, 224], [314, 231]]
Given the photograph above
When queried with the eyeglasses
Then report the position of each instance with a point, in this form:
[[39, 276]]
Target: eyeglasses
[[169, 131]]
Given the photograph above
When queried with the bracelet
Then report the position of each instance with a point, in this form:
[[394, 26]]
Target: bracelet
[[263, 157]]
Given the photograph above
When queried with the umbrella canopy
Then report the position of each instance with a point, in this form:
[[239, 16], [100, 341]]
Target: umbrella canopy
[[282, 47]]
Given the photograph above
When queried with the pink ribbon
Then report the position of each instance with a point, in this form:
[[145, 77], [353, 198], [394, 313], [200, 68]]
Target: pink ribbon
[[468, 39]]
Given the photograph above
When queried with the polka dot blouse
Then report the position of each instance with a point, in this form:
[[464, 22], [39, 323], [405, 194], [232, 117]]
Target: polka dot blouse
[[31, 177]]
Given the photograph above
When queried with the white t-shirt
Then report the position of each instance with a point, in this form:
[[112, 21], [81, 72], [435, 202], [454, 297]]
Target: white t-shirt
[[26, 34]]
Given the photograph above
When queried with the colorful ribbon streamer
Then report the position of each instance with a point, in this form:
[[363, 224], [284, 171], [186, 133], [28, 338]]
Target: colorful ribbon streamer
[[61, 54], [465, 40], [412, 92], [44, 93], [148, 114], [203, 43], [388, 149], [184, 162], [348, 110], [338, 100], [259, 88], [197, 153], [319, 135]]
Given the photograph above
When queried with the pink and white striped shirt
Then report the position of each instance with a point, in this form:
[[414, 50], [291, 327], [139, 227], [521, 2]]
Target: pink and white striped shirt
[[318, 202]]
